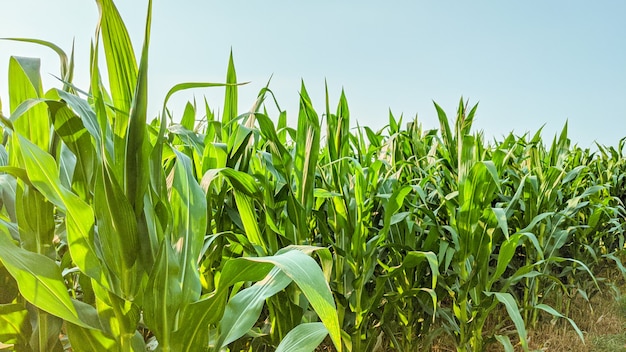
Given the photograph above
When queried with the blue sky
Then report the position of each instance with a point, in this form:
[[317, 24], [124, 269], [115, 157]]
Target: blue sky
[[527, 63]]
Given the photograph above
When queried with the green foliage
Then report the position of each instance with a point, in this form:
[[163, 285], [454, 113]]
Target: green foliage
[[239, 233]]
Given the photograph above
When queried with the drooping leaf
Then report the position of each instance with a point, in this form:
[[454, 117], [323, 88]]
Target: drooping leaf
[[555, 313], [514, 313], [39, 280], [305, 272], [244, 309], [304, 337]]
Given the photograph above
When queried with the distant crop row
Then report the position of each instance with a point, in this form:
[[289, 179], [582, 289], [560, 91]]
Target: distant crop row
[[240, 233]]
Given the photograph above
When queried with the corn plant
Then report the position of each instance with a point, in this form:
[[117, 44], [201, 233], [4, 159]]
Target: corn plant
[[122, 211], [240, 233]]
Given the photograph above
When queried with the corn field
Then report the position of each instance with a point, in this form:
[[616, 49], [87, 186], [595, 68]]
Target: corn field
[[237, 232]]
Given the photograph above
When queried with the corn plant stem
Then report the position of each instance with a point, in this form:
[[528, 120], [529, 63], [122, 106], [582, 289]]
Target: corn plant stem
[[42, 324], [125, 337]]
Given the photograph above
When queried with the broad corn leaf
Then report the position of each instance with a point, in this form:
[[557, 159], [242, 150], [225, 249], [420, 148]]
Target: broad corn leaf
[[88, 340], [394, 204], [39, 280], [14, 323], [87, 115], [307, 149], [67, 65], [514, 313], [35, 219], [137, 148], [117, 231], [189, 211], [121, 62], [41, 170], [73, 133], [194, 334], [304, 337], [244, 309], [305, 272], [163, 294], [248, 218], [242, 269], [25, 84]]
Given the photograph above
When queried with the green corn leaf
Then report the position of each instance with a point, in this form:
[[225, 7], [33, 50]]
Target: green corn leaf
[[85, 113], [137, 147], [304, 337], [307, 153], [238, 145], [194, 334], [123, 81], [502, 220], [117, 232], [300, 268], [9, 290], [342, 141], [188, 85], [244, 309], [446, 133], [163, 294], [281, 127], [414, 258], [67, 66], [24, 80], [41, 170], [14, 324], [394, 204], [506, 343], [242, 269], [39, 280], [189, 117], [240, 181], [99, 97], [507, 250], [305, 272], [514, 313], [35, 218], [230, 97], [121, 62], [266, 127], [214, 156], [324, 255], [46, 331], [73, 133], [189, 221], [87, 340], [555, 313], [249, 220], [25, 84]]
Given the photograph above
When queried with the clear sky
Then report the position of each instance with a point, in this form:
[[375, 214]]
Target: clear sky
[[528, 63]]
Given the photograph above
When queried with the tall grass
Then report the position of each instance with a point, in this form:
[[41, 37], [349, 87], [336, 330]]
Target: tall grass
[[123, 232]]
